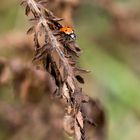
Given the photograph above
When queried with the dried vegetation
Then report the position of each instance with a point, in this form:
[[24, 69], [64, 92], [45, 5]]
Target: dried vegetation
[[58, 57]]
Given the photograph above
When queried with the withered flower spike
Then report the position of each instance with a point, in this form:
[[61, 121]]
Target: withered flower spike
[[58, 56]]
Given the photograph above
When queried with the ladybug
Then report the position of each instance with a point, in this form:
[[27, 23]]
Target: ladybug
[[68, 33]]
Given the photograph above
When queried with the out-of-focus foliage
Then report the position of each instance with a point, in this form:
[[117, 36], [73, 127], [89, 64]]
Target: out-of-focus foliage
[[110, 52], [114, 62]]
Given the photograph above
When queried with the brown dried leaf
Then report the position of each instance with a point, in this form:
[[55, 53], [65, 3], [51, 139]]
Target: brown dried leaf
[[68, 124], [60, 63], [23, 3], [41, 29], [37, 45], [66, 92], [80, 119], [72, 46], [58, 19], [77, 49], [43, 2], [42, 52], [31, 30], [78, 134], [70, 83], [79, 79], [27, 10], [79, 70], [89, 121], [72, 62]]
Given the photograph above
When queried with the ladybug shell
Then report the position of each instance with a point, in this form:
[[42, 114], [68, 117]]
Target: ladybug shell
[[66, 30]]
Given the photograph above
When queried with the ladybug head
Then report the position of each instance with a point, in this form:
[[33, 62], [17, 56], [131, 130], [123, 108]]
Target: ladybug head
[[73, 36]]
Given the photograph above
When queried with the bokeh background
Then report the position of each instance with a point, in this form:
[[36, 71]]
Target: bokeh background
[[108, 31]]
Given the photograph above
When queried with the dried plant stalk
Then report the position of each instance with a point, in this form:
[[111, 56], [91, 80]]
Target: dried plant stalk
[[58, 57]]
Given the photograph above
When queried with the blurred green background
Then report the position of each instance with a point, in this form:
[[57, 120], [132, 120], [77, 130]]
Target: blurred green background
[[112, 58]]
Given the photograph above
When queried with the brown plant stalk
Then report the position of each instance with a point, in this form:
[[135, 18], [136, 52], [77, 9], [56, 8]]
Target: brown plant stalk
[[58, 57]]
